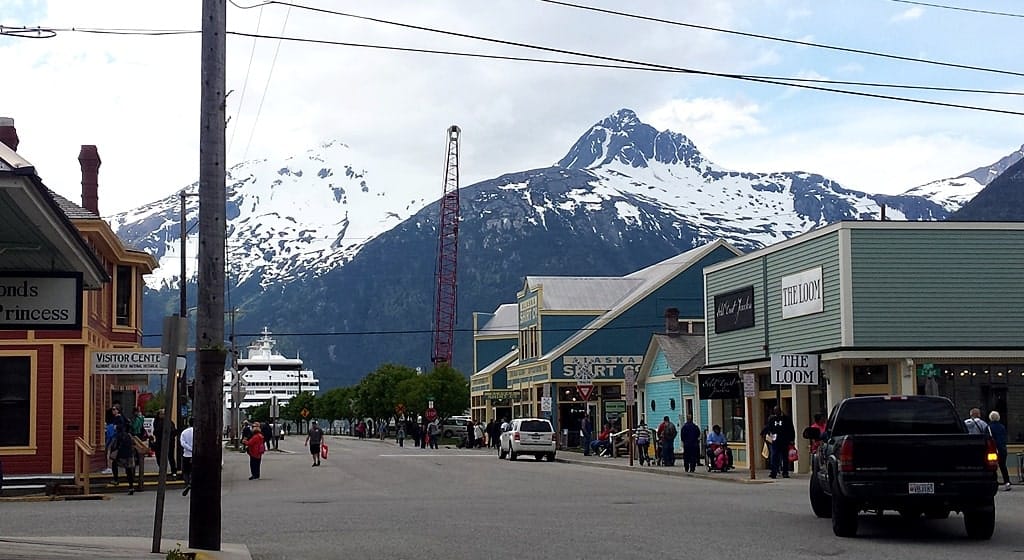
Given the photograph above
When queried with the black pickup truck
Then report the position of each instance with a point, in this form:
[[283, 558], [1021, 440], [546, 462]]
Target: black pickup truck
[[911, 454]]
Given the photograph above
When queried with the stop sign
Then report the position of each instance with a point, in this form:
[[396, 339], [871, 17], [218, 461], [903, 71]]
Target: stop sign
[[431, 414]]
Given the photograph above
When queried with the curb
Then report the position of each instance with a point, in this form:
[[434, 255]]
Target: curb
[[665, 471]]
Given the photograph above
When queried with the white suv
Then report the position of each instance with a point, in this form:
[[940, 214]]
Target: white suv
[[532, 436]]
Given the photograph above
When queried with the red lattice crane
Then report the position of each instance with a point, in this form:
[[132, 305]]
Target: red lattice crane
[[447, 255]]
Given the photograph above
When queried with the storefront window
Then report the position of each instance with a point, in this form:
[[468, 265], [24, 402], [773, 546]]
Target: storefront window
[[871, 375], [998, 387], [734, 424]]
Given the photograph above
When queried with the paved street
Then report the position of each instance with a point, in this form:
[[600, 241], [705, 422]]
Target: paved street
[[374, 500]]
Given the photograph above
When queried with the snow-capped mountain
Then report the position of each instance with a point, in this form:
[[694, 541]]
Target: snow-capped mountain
[[955, 192], [286, 219], [317, 247]]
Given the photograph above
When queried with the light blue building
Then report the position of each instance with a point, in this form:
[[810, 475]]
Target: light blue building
[[666, 385]]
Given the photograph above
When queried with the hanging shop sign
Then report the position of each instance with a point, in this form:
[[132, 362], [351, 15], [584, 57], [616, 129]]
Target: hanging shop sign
[[794, 369], [734, 310], [802, 294], [41, 301], [719, 386]]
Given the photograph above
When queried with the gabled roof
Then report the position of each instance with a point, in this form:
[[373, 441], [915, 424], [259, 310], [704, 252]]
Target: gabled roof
[[505, 321], [684, 353], [36, 234], [581, 293], [496, 365], [652, 278]]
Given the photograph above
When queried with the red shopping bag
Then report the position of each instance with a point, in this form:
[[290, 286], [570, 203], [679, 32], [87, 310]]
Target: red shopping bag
[[323, 450]]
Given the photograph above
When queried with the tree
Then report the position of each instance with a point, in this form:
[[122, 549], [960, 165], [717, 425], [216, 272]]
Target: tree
[[259, 413], [377, 392], [293, 410], [450, 390]]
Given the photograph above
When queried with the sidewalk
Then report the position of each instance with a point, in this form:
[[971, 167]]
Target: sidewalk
[[740, 475], [117, 548]]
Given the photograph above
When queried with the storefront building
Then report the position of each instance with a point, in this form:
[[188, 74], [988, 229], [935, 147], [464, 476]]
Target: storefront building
[[495, 339], [70, 288], [666, 384], [579, 339], [897, 308]]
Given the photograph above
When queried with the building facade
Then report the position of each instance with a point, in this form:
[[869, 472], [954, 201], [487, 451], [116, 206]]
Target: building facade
[[897, 308], [80, 291]]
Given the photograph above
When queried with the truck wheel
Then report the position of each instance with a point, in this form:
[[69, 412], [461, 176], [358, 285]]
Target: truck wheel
[[821, 504], [980, 522], [844, 516], [501, 453]]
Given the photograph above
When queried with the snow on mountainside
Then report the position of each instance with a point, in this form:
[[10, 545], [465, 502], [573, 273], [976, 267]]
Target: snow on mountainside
[[955, 192], [748, 209], [286, 219]]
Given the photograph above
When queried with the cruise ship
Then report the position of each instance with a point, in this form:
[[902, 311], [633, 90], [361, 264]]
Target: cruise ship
[[265, 373]]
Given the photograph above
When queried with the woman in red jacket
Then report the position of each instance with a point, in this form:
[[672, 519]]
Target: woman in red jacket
[[255, 446]]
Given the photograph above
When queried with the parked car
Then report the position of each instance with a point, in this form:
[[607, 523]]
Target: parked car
[[911, 454], [454, 427], [531, 436]]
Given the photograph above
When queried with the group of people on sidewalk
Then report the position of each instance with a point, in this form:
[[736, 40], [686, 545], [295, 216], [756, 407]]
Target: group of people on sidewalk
[[128, 443]]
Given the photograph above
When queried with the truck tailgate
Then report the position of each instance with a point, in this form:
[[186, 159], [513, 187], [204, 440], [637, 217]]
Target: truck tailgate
[[920, 453]]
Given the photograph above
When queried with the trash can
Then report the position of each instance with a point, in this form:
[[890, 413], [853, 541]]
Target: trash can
[[563, 440]]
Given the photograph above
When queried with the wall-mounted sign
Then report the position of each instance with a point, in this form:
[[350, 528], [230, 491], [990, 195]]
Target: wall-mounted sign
[[528, 309], [802, 293], [501, 395], [734, 310], [597, 367], [41, 301], [129, 362], [718, 386], [794, 369]]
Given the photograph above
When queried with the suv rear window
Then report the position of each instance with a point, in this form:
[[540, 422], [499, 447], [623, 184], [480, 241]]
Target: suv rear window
[[534, 426], [898, 416]]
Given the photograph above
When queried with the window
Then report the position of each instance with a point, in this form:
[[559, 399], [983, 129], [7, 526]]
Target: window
[[15, 400], [734, 424], [871, 375], [123, 298]]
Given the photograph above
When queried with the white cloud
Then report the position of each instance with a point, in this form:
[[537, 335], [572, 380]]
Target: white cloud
[[707, 121], [907, 15]]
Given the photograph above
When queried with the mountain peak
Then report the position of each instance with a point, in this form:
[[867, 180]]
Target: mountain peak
[[622, 137]]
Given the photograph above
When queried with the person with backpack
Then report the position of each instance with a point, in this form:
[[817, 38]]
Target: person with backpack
[[122, 455], [667, 436]]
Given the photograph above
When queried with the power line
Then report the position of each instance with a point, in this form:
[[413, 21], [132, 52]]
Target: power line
[[960, 9], [772, 38], [633, 65], [653, 67], [245, 82], [266, 87]]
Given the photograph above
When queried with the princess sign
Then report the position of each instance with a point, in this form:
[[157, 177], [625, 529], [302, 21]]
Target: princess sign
[[794, 369]]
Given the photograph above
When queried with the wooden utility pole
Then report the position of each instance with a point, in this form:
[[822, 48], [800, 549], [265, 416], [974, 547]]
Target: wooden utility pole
[[204, 521]]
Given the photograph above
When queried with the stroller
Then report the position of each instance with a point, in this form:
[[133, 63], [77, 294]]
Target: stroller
[[718, 457]]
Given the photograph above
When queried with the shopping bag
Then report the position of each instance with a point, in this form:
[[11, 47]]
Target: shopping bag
[[323, 450], [764, 451], [794, 455]]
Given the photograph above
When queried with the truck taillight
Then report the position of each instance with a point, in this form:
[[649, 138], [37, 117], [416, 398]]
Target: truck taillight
[[991, 455], [515, 436], [846, 456]]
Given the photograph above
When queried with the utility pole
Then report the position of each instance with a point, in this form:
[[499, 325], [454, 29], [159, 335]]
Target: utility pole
[[204, 521]]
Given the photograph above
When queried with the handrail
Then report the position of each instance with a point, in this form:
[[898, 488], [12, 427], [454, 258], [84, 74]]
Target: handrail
[[83, 463]]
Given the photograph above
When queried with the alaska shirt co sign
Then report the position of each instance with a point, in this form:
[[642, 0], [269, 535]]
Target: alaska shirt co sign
[[597, 367], [734, 310], [41, 302], [794, 369], [802, 294]]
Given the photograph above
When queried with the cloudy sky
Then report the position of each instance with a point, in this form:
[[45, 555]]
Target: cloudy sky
[[137, 96]]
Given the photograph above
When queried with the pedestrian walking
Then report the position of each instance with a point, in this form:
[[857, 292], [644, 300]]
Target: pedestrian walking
[[255, 447], [690, 434], [975, 425], [998, 432], [314, 439], [400, 434], [779, 435], [122, 456], [642, 437], [667, 437], [434, 433], [159, 425], [186, 439], [586, 433]]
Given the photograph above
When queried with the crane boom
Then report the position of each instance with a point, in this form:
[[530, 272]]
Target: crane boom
[[447, 254]]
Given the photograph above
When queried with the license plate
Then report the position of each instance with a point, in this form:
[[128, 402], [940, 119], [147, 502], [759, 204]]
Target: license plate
[[921, 488]]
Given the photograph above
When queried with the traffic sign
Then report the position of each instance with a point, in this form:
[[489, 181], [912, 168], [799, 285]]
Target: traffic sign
[[545, 404], [584, 391], [431, 414], [304, 412], [749, 385]]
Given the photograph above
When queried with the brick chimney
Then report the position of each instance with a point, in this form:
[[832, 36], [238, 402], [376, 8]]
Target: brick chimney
[[671, 320], [89, 158], [8, 134]]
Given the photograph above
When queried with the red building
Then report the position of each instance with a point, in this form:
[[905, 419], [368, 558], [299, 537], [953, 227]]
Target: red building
[[68, 287]]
